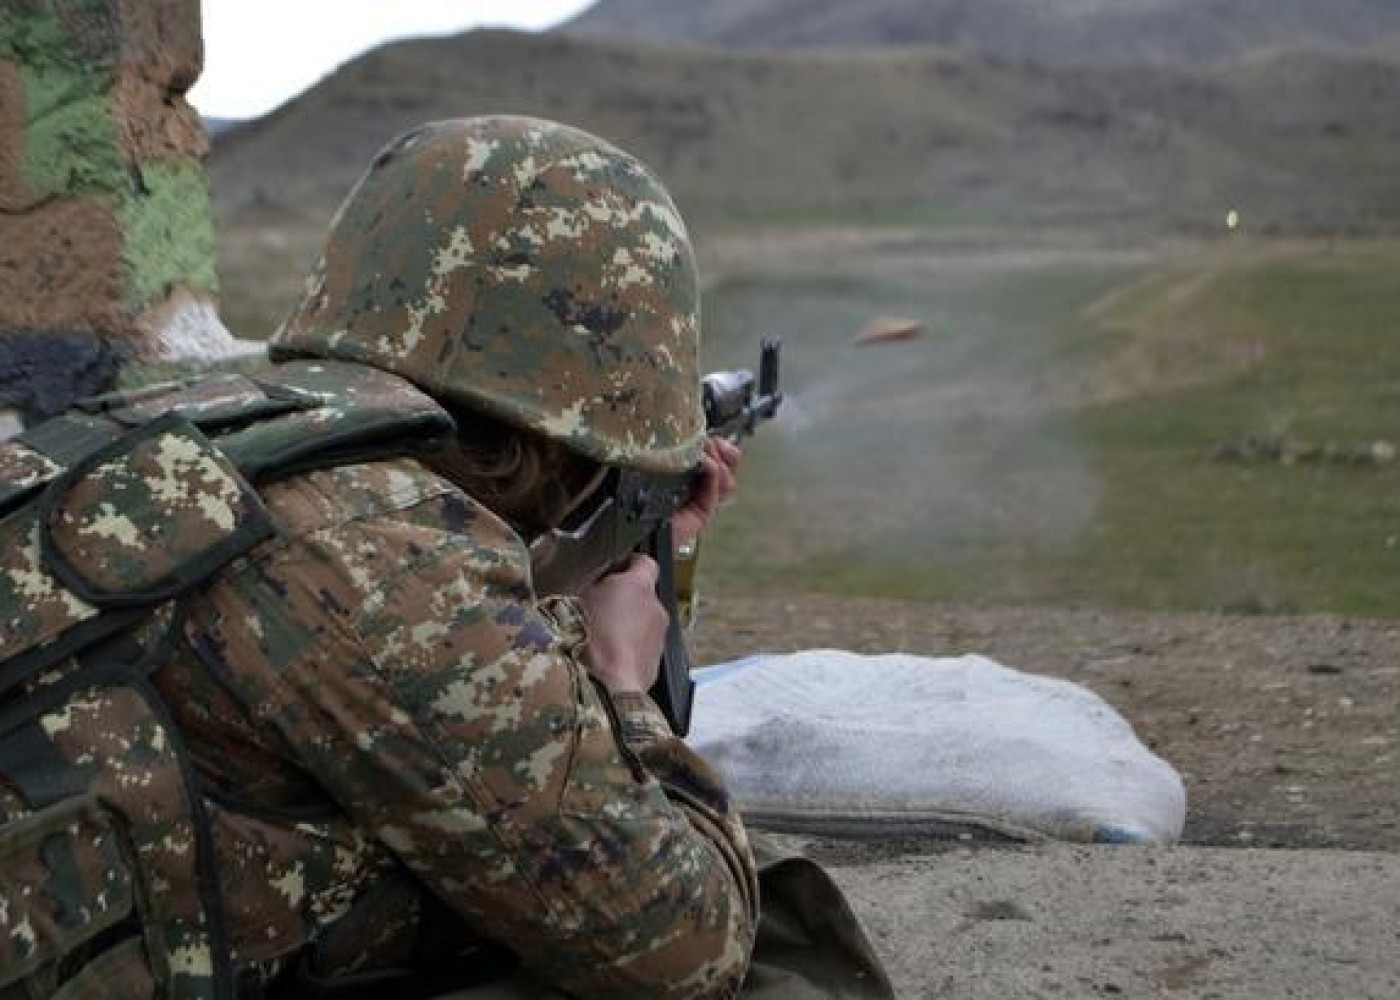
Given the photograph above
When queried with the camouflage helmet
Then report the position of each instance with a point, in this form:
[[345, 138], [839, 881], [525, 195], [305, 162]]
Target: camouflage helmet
[[526, 269]]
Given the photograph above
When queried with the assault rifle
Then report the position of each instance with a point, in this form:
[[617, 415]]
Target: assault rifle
[[633, 514]]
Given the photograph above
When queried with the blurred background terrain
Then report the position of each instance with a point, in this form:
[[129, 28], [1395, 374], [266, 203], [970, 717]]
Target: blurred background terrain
[[1145, 251], [1048, 31]]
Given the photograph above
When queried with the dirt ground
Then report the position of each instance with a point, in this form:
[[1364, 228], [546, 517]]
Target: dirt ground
[[1060, 922], [1285, 730]]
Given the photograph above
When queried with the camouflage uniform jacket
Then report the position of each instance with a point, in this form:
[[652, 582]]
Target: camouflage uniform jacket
[[376, 691]]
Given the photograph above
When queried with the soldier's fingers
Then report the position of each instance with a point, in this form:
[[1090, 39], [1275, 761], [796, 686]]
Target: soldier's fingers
[[728, 453], [710, 489], [723, 480], [643, 568]]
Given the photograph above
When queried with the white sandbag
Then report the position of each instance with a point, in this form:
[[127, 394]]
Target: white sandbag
[[827, 741]]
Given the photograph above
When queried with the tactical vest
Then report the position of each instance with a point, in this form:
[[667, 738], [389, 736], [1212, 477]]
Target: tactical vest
[[108, 515]]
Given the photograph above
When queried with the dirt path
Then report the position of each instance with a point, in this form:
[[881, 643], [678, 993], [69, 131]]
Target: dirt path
[[1085, 923], [1285, 730]]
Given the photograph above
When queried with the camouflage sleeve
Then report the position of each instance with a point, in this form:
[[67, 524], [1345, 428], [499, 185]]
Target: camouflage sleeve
[[560, 822], [688, 779]]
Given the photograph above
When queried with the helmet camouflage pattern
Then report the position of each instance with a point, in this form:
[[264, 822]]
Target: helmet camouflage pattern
[[526, 269]]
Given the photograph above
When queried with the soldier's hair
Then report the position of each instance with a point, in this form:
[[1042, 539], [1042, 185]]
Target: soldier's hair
[[524, 477]]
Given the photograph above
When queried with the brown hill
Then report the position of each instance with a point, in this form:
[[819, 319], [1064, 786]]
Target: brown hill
[[1298, 142], [1051, 31]]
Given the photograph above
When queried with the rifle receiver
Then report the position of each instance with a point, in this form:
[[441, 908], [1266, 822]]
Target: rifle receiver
[[735, 402]]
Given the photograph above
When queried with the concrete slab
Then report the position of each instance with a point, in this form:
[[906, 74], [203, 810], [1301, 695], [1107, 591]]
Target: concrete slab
[[1186, 923]]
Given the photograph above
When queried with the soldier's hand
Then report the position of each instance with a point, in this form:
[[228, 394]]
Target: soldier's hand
[[626, 626], [719, 477]]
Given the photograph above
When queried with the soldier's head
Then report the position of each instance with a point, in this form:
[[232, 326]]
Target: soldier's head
[[525, 271]]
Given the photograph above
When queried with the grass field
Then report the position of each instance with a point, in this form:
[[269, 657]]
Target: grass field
[[1053, 436], [262, 269]]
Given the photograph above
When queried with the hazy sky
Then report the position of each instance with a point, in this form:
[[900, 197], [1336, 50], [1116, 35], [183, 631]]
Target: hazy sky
[[259, 53]]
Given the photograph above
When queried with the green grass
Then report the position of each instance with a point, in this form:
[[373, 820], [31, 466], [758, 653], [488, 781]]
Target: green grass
[[1179, 530], [959, 466]]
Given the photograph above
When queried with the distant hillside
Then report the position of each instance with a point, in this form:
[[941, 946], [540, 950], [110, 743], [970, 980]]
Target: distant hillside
[[217, 126], [1051, 31], [917, 135]]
